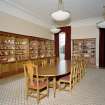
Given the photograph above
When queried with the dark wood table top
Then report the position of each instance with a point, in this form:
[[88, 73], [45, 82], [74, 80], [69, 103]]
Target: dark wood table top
[[60, 68]]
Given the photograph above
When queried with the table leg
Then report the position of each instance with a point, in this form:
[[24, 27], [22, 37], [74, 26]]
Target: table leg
[[54, 85]]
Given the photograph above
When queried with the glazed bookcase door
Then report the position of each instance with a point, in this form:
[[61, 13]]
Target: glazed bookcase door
[[33, 49], [7, 49], [22, 49], [42, 49]]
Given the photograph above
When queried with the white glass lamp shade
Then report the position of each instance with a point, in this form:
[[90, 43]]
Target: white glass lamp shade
[[55, 30], [60, 15], [101, 24]]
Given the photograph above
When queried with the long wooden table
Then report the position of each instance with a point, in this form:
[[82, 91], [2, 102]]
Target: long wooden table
[[58, 69]]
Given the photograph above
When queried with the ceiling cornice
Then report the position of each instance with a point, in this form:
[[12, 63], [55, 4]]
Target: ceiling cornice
[[86, 22], [6, 5]]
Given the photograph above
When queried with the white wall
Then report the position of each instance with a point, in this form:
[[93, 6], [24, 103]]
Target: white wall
[[86, 31], [13, 24]]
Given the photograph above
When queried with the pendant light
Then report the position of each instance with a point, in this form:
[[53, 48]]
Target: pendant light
[[60, 14], [101, 24]]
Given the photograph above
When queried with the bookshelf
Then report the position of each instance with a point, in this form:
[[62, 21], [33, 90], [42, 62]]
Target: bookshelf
[[85, 48]]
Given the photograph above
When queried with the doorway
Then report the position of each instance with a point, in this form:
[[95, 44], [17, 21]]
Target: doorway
[[102, 47], [62, 46]]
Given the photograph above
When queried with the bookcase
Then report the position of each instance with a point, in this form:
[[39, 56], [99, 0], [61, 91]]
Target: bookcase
[[85, 48], [21, 49], [15, 49]]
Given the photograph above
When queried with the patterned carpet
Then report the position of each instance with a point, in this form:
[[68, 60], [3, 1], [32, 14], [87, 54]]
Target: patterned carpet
[[90, 91]]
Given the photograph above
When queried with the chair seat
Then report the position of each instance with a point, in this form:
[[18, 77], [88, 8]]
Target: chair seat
[[42, 84], [65, 78]]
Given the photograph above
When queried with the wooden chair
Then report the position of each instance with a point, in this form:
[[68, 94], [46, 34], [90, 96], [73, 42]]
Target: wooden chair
[[84, 64], [77, 60], [51, 62], [68, 80], [34, 86], [75, 73], [82, 68]]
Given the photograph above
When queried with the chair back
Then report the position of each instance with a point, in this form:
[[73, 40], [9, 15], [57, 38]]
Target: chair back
[[29, 70], [73, 71]]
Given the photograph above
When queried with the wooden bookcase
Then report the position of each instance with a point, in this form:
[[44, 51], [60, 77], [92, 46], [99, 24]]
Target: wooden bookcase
[[85, 48], [15, 49], [33, 49]]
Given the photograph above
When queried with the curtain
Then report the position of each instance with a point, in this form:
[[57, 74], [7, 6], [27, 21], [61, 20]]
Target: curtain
[[56, 39], [102, 47]]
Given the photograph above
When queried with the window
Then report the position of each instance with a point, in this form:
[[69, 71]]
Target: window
[[62, 45]]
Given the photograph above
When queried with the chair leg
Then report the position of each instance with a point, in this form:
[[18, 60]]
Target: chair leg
[[59, 85], [38, 96], [54, 85], [47, 87], [70, 87], [26, 92], [74, 81], [27, 95]]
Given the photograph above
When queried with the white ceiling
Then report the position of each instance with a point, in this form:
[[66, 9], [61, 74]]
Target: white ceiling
[[41, 9]]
